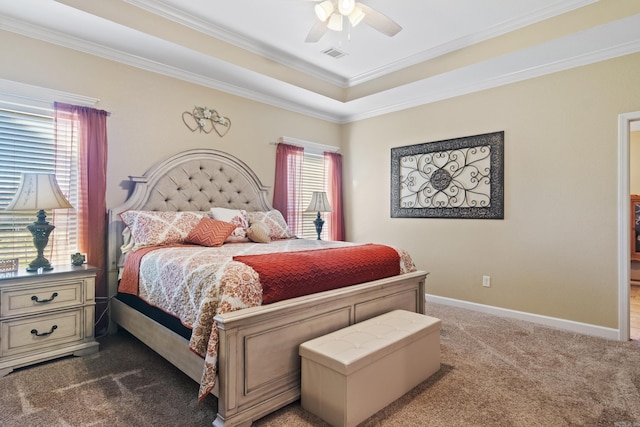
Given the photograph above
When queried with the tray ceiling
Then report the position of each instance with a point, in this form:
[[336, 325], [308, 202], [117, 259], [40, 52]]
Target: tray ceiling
[[256, 48]]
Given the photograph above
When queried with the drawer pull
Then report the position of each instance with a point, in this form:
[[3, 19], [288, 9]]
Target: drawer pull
[[35, 298], [44, 334]]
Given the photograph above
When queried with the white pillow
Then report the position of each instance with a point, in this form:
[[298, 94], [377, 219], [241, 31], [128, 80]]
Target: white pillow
[[238, 217]]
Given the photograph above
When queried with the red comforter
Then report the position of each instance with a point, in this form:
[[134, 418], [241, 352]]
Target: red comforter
[[292, 274]]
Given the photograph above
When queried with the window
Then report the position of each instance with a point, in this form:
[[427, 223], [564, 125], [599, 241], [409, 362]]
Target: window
[[28, 144], [303, 167], [313, 179]]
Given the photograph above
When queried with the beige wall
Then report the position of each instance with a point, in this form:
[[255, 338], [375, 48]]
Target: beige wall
[[554, 253], [145, 125]]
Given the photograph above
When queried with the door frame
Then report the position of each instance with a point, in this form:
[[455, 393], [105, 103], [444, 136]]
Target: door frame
[[624, 260]]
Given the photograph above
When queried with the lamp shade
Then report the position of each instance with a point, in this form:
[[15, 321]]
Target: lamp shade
[[38, 191], [319, 202]]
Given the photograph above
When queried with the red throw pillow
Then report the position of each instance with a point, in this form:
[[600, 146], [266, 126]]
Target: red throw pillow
[[210, 232]]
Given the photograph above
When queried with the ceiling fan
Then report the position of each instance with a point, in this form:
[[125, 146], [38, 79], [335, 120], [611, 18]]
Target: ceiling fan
[[331, 15]]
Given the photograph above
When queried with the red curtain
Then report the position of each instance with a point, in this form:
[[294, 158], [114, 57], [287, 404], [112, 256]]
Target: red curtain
[[335, 219], [287, 190], [92, 205]]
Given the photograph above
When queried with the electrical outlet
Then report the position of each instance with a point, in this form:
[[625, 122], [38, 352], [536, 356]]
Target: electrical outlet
[[486, 281]]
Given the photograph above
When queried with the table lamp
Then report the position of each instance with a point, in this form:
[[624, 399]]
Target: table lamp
[[319, 203], [39, 192]]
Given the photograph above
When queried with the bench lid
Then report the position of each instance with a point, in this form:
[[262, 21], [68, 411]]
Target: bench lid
[[358, 345]]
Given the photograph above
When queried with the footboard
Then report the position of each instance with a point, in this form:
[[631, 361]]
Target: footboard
[[259, 366]]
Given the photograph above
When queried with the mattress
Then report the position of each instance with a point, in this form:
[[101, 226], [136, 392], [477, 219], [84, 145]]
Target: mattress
[[168, 321]]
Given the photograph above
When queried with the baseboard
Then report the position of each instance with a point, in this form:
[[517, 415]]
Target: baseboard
[[554, 322]]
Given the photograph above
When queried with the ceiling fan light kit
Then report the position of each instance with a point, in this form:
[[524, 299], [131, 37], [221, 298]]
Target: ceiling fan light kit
[[335, 22], [345, 7], [331, 14], [356, 16], [324, 10]]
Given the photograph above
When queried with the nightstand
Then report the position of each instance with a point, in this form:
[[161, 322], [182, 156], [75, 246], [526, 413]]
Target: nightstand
[[45, 316]]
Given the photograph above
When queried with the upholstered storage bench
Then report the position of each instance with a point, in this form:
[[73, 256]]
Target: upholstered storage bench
[[350, 374]]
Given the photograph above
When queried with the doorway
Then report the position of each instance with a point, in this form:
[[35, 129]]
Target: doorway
[[626, 123], [634, 316]]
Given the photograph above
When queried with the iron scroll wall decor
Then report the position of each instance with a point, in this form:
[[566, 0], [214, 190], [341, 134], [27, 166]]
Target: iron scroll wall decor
[[455, 178]]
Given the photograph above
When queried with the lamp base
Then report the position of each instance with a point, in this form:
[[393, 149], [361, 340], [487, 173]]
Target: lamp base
[[40, 230], [319, 222], [39, 263]]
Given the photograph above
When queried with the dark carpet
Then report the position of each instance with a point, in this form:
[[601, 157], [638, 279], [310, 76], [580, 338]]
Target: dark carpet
[[495, 372]]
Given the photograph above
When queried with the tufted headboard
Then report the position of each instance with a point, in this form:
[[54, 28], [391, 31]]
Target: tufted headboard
[[193, 180]]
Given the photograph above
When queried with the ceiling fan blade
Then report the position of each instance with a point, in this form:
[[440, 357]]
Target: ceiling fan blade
[[379, 21], [317, 31]]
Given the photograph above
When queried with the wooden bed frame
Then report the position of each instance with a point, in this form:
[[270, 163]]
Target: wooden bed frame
[[258, 362]]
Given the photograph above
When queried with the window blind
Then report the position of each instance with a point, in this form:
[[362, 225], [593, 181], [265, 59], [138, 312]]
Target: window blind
[[28, 144]]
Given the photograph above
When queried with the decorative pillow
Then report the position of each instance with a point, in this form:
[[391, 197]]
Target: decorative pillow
[[154, 228], [127, 241], [258, 232], [273, 219], [234, 216], [210, 232]]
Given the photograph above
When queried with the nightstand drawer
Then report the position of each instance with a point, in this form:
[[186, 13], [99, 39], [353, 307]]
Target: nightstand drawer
[[27, 300], [40, 332]]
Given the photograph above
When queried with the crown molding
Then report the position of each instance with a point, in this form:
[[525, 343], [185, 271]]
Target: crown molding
[[134, 60], [600, 43], [212, 29], [194, 22], [471, 39], [513, 68]]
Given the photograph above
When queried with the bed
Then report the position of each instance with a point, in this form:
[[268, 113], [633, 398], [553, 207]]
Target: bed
[[258, 367]]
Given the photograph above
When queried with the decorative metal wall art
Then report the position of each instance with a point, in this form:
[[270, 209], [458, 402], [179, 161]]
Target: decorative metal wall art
[[455, 178], [206, 120]]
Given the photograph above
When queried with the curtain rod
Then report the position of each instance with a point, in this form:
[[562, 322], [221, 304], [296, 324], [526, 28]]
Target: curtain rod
[[312, 146]]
